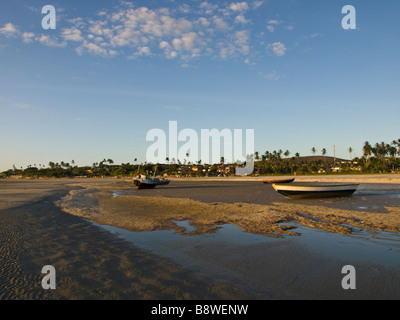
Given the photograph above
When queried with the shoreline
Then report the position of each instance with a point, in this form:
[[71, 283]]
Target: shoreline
[[361, 178], [337, 177]]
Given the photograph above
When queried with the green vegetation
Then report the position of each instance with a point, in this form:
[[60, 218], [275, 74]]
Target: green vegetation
[[377, 158]]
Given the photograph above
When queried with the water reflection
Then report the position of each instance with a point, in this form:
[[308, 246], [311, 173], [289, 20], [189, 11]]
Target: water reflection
[[368, 246]]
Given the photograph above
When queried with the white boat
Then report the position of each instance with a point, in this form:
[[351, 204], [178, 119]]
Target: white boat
[[315, 190]]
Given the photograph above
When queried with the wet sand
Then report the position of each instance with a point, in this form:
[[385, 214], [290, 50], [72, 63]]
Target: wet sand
[[90, 263], [254, 206], [41, 223]]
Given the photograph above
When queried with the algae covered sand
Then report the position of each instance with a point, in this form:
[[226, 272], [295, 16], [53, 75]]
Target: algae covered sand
[[148, 212]]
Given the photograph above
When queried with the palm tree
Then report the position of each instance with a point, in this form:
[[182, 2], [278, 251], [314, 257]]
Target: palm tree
[[313, 150], [323, 151], [287, 153], [263, 158], [350, 151], [380, 150], [367, 149], [396, 143], [392, 151]]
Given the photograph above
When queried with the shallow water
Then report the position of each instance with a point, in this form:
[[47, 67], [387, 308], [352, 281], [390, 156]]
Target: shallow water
[[211, 254], [369, 246], [259, 263], [373, 247]]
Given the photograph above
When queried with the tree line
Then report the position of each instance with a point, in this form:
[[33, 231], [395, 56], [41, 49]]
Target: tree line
[[376, 158]]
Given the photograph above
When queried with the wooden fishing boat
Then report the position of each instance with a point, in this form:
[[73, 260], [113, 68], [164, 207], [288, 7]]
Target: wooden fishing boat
[[145, 182], [315, 190], [148, 182], [162, 182], [271, 181]]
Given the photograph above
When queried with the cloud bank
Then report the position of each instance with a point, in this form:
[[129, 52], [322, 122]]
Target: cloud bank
[[185, 32]]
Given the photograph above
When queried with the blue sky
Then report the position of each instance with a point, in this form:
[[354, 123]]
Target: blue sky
[[113, 70]]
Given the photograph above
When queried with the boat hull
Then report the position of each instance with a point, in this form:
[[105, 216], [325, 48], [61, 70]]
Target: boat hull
[[316, 191], [278, 181], [146, 186], [163, 183]]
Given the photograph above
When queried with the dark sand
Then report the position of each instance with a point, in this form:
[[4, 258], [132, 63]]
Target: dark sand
[[92, 263]]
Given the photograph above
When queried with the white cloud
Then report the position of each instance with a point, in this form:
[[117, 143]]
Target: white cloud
[[220, 23], [189, 31], [50, 41], [9, 30], [185, 8], [239, 6], [144, 51], [208, 7], [21, 106], [272, 25], [257, 4], [72, 34], [203, 22], [95, 49], [28, 37], [272, 75], [226, 50], [314, 35], [275, 22], [169, 52], [278, 48], [164, 44], [241, 19], [242, 41], [189, 40]]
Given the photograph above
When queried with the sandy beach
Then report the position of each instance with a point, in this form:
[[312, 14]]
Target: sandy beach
[[59, 222]]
